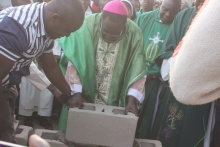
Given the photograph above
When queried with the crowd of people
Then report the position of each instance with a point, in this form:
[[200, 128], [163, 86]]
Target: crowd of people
[[62, 53]]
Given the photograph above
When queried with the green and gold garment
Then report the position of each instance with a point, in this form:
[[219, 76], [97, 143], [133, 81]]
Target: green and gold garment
[[106, 70]]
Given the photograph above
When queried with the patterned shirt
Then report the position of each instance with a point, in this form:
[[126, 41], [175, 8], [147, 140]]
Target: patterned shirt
[[22, 39]]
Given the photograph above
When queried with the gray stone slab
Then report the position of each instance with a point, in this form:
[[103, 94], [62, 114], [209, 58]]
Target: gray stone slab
[[50, 136], [101, 125], [22, 134]]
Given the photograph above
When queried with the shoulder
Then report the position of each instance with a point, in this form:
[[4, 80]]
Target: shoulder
[[92, 21], [186, 12], [146, 16], [8, 26], [92, 17], [132, 28], [132, 25], [149, 14]]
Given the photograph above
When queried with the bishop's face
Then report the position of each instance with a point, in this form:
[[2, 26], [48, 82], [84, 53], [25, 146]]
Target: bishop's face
[[111, 31]]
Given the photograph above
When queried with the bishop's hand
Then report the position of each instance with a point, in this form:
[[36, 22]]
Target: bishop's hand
[[131, 105], [75, 100]]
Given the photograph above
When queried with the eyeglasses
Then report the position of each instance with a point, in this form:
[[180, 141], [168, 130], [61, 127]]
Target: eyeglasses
[[111, 37]]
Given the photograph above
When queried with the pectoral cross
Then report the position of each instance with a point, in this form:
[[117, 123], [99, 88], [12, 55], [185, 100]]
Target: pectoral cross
[[155, 41]]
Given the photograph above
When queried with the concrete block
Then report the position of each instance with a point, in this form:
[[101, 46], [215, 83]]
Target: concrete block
[[50, 136], [146, 143], [101, 125], [22, 133]]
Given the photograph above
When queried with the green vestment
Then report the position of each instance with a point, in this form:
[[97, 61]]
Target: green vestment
[[82, 49], [155, 33], [176, 124]]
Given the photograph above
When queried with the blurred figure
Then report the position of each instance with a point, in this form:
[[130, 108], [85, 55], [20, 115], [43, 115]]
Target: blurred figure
[[184, 5], [130, 8], [95, 6], [155, 26], [146, 6], [191, 114], [157, 4], [87, 7], [136, 4], [133, 16]]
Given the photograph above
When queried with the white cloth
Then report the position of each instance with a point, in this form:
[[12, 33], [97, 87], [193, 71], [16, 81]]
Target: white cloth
[[137, 94], [210, 126], [31, 99], [88, 11], [34, 94], [37, 78], [76, 88], [195, 72], [56, 48], [165, 69]]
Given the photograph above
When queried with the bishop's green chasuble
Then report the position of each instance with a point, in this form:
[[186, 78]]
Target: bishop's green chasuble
[[106, 70]]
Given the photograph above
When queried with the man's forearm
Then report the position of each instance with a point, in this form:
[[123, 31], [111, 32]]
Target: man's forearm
[[58, 80], [53, 73]]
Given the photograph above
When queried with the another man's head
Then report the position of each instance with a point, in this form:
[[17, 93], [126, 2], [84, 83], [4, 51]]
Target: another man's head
[[113, 20], [15, 3], [61, 17], [147, 5], [157, 4], [136, 4], [183, 6], [169, 9]]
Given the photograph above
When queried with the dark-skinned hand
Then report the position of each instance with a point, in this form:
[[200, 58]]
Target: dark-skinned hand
[[75, 101], [57, 94], [131, 105]]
